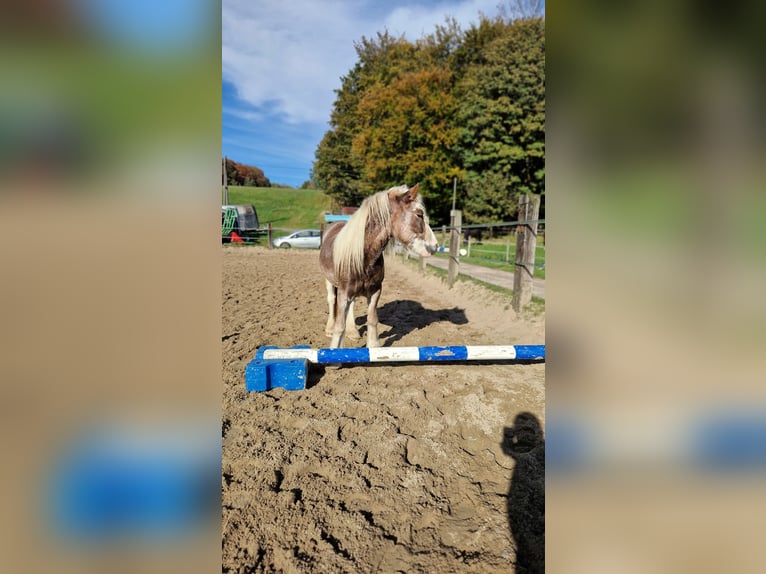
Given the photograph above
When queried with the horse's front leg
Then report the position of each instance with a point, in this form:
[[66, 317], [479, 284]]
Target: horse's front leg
[[351, 331], [342, 304], [372, 319], [331, 294]]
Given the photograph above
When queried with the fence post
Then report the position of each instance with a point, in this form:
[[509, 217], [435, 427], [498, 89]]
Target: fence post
[[225, 183], [508, 248], [269, 237], [444, 235], [456, 222], [468, 252], [526, 242]]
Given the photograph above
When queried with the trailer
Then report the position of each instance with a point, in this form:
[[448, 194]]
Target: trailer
[[242, 219]]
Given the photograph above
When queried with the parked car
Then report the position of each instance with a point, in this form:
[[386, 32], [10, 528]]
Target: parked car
[[307, 238]]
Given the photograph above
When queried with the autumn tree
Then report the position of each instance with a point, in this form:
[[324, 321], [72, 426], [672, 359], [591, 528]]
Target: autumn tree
[[393, 122], [453, 104], [242, 174], [337, 168]]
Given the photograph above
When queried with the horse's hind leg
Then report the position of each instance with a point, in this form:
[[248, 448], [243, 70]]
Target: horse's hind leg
[[372, 320], [331, 294]]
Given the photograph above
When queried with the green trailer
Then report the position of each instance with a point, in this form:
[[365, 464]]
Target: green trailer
[[242, 219]]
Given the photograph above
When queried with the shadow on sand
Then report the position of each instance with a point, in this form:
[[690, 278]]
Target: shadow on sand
[[524, 442], [407, 316]]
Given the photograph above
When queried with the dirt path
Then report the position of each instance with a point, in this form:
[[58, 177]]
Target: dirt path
[[411, 468], [489, 275]]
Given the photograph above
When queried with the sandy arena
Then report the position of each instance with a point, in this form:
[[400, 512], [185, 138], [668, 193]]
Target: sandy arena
[[389, 468]]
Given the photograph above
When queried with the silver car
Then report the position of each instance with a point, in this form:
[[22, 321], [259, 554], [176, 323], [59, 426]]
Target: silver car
[[306, 238]]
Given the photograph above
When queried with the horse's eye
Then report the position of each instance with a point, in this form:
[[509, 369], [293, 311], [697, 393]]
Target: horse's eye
[[419, 214]]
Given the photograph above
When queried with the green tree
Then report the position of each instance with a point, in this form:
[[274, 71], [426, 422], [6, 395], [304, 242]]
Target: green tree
[[471, 51], [334, 169], [502, 112]]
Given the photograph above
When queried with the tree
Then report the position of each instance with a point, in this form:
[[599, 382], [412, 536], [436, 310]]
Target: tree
[[393, 121], [473, 45], [522, 9], [407, 136], [241, 174], [467, 104], [502, 112], [335, 170]]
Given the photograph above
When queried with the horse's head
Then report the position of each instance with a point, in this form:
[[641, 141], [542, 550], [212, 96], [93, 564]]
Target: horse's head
[[409, 221]]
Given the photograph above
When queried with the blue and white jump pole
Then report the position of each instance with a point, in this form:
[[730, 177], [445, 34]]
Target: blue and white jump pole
[[288, 368]]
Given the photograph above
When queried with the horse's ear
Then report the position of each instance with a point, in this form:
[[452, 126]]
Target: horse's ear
[[403, 194]]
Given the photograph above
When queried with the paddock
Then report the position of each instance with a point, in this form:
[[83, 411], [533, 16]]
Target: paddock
[[385, 467]]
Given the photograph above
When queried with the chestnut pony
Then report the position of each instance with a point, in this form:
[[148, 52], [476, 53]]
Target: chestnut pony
[[351, 256]]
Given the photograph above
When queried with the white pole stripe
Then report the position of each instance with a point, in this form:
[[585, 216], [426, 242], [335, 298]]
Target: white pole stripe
[[310, 354], [383, 354], [489, 352]]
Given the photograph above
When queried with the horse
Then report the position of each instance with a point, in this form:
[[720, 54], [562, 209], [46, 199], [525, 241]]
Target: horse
[[351, 256]]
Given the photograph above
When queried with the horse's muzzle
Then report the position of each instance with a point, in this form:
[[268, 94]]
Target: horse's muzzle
[[432, 248]]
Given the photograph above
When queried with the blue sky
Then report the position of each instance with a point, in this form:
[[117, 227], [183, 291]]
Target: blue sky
[[147, 24], [283, 59]]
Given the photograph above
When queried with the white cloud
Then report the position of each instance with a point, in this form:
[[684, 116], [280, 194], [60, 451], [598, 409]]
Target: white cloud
[[288, 56], [416, 20]]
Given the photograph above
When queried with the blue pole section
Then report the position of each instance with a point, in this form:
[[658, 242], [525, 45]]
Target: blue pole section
[[288, 368], [410, 354], [530, 352]]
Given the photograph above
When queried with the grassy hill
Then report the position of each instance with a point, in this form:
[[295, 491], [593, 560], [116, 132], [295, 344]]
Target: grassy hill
[[283, 208]]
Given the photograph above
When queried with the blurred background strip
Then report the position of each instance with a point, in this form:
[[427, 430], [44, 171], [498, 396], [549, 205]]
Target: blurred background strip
[[110, 131]]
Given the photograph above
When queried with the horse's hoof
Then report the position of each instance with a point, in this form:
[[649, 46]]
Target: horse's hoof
[[373, 344]]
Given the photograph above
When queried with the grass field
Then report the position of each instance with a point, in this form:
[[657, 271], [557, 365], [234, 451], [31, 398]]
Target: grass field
[[492, 253], [285, 209]]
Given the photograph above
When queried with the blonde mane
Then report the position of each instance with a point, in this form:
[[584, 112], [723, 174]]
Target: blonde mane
[[348, 250]]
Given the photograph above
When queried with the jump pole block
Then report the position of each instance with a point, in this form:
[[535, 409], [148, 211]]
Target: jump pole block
[[275, 367]]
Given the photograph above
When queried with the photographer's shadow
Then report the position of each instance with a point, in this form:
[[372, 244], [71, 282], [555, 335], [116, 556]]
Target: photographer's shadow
[[524, 441]]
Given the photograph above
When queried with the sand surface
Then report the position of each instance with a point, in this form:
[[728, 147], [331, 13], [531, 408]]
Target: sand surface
[[389, 468]]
